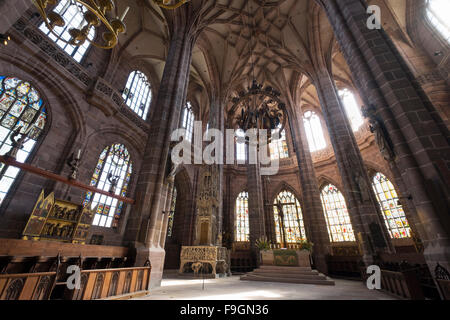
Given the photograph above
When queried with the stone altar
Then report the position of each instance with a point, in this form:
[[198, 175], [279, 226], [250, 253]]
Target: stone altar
[[218, 258], [287, 258]]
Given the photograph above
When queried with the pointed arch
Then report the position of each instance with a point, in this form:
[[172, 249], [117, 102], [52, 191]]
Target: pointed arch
[[339, 226], [22, 114], [113, 174], [284, 186], [138, 93], [242, 229], [393, 214], [187, 121], [179, 208], [288, 217], [314, 131]]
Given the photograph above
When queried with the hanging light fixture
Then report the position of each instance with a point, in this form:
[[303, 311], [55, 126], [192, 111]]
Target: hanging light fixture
[[96, 13], [170, 4]]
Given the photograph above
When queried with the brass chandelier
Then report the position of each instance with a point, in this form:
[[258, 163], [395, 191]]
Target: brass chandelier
[[96, 13], [170, 4]]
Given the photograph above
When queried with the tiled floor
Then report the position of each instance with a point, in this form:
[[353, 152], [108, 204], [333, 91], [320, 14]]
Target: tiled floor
[[234, 289]]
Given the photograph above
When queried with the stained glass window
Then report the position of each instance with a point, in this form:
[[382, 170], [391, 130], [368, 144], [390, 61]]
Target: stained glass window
[[73, 15], [314, 132], [114, 160], [188, 121], [290, 218], [241, 146], [437, 13], [138, 93], [279, 148], [20, 107], [173, 205], [336, 215], [242, 222], [393, 213], [352, 109]]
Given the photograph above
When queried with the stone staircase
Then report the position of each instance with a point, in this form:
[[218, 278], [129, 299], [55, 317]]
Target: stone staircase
[[298, 275]]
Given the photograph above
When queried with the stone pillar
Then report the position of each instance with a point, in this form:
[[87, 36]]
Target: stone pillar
[[361, 201], [146, 221], [420, 139], [11, 11], [255, 204], [166, 213], [216, 121], [312, 209], [268, 211]]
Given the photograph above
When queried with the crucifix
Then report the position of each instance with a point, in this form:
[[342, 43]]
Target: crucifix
[[279, 206]]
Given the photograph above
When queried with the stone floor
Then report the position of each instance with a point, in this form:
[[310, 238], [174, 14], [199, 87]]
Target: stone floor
[[234, 289]]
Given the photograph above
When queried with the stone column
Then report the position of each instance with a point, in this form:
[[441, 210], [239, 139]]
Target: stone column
[[146, 221], [255, 204], [268, 211], [165, 217], [11, 11], [420, 139], [257, 224], [216, 121], [312, 209], [361, 201]]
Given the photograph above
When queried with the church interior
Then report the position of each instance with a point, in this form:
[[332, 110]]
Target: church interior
[[97, 96]]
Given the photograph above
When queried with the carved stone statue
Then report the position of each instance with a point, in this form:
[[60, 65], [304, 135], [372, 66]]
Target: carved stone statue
[[172, 167], [381, 135], [363, 188]]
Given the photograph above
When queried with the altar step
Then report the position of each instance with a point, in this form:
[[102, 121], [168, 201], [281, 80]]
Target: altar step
[[286, 270], [288, 275]]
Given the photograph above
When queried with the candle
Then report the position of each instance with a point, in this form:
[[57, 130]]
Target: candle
[[124, 14], [79, 154]]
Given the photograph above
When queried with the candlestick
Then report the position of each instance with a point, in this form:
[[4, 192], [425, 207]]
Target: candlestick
[[124, 14]]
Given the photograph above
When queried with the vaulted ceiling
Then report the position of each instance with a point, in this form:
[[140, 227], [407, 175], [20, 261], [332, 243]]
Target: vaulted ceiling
[[277, 42]]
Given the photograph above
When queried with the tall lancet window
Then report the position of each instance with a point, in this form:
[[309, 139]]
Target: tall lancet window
[[241, 146], [114, 165], [438, 15], [173, 206], [73, 15], [279, 147], [187, 121], [338, 221], [242, 221], [21, 108], [289, 226], [392, 210], [314, 132], [138, 93], [352, 109]]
